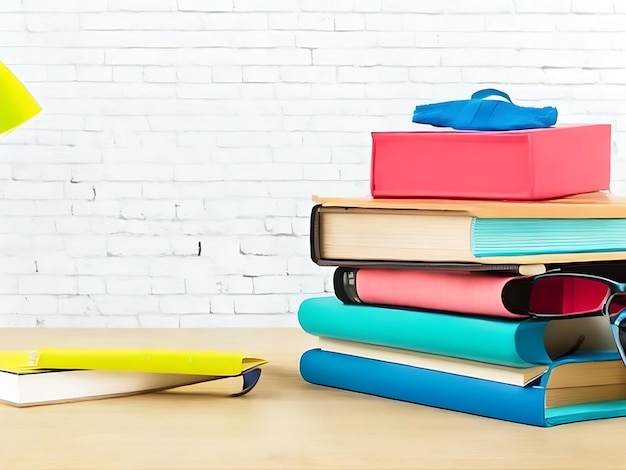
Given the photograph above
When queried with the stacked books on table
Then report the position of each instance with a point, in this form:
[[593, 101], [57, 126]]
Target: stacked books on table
[[435, 279], [56, 375]]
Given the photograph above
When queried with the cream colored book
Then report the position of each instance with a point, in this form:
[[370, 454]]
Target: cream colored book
[[450, 365], [578, 229], [40, 387], [598, 205]]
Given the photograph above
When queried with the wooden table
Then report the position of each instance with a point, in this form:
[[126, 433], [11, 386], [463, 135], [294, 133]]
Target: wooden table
[[284, 423]]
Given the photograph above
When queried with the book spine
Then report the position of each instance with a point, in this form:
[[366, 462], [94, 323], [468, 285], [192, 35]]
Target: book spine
[[344, 285], [314, 235], [426, 387], [480, 339]]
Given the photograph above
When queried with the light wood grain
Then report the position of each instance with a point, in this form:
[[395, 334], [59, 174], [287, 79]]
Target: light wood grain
[[284, 423]]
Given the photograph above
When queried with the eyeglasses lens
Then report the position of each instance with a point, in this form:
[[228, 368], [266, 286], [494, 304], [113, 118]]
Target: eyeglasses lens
[[568, 295], [617, 303]]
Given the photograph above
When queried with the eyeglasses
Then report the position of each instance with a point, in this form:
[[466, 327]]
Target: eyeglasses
[[558, 293]]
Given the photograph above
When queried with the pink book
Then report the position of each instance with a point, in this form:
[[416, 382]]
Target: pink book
[[516, 165], [475, 293]]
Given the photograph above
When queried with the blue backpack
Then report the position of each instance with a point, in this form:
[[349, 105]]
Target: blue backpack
[[479, 114]]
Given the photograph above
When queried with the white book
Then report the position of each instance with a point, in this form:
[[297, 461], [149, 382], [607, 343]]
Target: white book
[[451, 365], [54, 386]]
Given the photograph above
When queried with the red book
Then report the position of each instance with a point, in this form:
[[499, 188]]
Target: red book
[[472, 293], [516, 165]]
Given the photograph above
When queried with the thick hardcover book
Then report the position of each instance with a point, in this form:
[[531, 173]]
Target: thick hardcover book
[[578, 229], [522, 165], [515, 343], [493, 294], [540, 403]]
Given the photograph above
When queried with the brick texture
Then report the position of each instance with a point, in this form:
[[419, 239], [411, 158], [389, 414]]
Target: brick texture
[[168, 181]]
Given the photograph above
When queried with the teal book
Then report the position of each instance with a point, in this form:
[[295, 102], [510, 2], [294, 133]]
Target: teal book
[[575, 388], [514, 343]]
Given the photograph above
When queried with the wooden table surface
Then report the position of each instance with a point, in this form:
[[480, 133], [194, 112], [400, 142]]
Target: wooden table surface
[[284, 423]]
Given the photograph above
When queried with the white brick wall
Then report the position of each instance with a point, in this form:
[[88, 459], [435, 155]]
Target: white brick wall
[[174, 124]]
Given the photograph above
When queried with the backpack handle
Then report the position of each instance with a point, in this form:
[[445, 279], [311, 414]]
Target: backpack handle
[[482, 94]]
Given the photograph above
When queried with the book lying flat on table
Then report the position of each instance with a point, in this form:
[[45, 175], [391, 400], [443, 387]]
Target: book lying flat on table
[[53, 375], [551, 399], [576, 229]]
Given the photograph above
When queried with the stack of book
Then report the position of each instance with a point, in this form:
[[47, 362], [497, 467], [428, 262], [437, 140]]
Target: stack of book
[[58, 375], [438, 276]]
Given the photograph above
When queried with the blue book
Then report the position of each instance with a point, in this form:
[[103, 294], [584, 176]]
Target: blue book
[[514, 343], [571, 398]]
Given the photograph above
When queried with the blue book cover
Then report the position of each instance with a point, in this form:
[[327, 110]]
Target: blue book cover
[[515, 343], [523, 237], [526, 405]]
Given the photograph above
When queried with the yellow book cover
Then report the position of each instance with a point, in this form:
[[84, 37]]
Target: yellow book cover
[[201, 362]]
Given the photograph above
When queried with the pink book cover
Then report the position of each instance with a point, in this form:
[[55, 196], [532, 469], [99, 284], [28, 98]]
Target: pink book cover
[[475, 293], [506, 165]]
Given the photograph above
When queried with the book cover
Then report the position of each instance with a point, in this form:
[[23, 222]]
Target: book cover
[[539, 403], [592, 205], [202, 362], [513, 165], [516, 343]]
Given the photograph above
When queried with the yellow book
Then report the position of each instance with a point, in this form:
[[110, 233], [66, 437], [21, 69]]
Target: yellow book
[[199, 362]]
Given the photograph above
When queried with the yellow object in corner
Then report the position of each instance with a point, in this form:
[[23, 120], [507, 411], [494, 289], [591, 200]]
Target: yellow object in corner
[[17, 105], [201, 362]]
